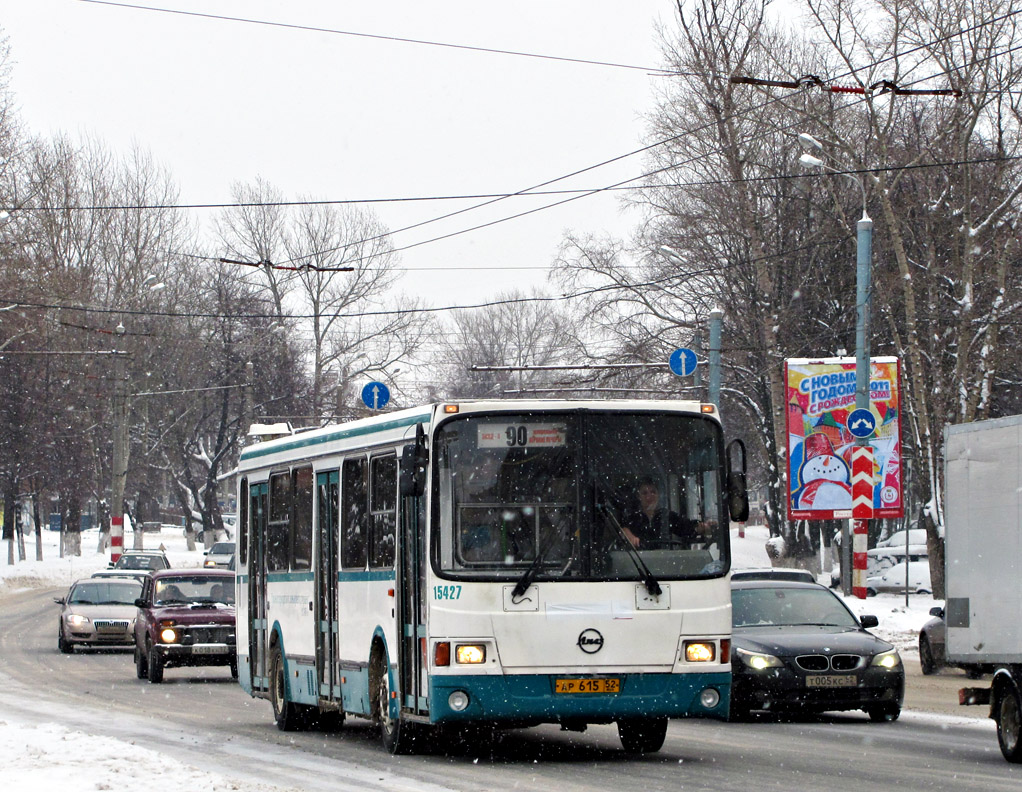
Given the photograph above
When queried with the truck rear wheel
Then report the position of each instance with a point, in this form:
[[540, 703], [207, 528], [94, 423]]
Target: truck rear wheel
[[1009, 721]]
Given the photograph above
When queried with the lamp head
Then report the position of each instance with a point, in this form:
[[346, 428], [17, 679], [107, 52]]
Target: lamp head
[[809, 161], [809, 143]]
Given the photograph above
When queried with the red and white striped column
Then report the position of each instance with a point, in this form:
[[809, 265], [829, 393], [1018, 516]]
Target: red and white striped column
[[116, 538], [862, 511]]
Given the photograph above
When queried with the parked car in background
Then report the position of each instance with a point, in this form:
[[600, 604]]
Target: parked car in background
[[219, 555], [97, 613], [185, 618], [149, 560], [894, 579], [916, 538], [796, 647], [933, 648]]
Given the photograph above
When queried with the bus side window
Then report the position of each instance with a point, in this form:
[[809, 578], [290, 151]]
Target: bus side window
[[241, 533], [301, 540], [278, 528], [383, 506], [354, 516]]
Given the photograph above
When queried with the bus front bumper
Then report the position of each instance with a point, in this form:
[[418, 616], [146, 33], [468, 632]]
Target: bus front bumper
[[531, 698]]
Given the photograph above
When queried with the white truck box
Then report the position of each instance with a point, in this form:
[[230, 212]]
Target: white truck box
[[983, 541]]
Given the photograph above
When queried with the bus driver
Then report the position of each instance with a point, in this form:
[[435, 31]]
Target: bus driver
[[652, 524]]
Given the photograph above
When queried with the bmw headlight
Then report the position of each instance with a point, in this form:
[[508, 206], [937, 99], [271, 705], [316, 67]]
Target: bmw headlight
[[888, 660], [757, 661]]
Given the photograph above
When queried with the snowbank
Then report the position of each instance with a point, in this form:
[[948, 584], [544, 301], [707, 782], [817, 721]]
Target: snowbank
[[54, 571], [49, 756]]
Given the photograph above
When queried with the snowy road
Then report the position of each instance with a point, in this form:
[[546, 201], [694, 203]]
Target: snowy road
[[199, 719]]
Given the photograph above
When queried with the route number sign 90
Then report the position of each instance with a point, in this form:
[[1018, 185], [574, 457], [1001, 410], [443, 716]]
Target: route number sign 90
[[522, 435]]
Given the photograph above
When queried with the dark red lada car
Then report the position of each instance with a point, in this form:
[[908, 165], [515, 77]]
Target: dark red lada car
[[185, 618]]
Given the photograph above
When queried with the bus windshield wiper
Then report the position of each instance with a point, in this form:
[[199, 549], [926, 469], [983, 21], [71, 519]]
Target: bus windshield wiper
[[526, 579], [652, 585]]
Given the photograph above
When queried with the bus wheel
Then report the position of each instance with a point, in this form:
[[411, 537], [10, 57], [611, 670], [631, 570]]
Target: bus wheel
[[642, 735], [1009, 723], [288, 715], [397, 735]]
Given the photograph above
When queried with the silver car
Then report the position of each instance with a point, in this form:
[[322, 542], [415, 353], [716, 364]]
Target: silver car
[[933, 648], [219, 555], [98, 612]]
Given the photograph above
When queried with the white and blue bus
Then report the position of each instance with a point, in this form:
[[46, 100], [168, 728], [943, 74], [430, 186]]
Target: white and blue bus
[[486, 564]]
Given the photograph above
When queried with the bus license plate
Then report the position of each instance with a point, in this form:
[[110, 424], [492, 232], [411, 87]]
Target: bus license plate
[[831, 680], [603, 685]]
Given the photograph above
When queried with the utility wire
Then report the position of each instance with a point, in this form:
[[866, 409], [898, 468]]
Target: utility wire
[[398, 39], [401, 312], [662, 142]]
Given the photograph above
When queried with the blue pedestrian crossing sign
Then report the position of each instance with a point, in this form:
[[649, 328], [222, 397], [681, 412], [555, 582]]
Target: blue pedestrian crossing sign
[[375, 395], [683, 362], [861, 423]]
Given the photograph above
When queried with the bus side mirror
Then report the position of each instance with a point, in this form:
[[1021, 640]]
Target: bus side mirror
[[737, 485], [414, 461]]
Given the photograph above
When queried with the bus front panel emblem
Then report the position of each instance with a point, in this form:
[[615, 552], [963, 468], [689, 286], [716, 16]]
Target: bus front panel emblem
[[590, 641]]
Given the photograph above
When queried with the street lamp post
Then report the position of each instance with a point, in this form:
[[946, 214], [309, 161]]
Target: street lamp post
[[119, 461], [862, 456]]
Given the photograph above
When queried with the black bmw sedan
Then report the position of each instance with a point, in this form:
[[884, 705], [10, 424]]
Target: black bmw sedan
[[797, 647]]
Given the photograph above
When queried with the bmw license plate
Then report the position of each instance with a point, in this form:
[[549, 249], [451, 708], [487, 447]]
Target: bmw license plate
[[601, 685], [831, 680]]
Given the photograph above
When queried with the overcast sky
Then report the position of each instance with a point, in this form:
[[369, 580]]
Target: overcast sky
[[328, 116]]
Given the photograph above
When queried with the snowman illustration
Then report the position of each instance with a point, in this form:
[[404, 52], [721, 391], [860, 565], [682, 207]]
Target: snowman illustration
[[824, 478]]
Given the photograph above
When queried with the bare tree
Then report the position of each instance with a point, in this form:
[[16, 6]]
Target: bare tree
[[518, 330]]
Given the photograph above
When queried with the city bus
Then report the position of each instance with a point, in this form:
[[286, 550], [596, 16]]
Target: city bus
[[473, 565]]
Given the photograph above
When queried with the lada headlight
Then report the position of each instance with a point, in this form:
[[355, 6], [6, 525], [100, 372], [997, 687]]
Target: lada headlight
[[169, 633]]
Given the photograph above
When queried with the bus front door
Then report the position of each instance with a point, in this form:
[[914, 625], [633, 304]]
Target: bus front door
[[411, 578], [257, 589]]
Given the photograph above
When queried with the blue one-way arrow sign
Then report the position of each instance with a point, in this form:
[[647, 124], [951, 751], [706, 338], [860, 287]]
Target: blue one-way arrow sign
[[683, 362], [375, 395]]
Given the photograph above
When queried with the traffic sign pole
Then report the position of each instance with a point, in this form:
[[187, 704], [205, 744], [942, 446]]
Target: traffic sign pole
[[862, 511]]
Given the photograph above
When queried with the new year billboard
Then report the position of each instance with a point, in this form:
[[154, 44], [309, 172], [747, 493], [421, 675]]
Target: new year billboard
[[820, 396]]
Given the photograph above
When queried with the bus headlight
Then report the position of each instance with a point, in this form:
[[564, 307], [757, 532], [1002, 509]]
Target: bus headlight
[[470, 653], [458, 701], [700, 651]]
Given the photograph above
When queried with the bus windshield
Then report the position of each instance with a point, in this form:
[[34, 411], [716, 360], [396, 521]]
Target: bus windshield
[[579, 495]]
